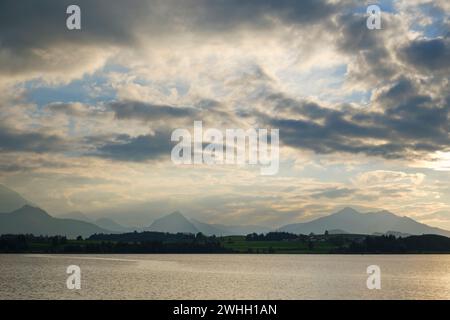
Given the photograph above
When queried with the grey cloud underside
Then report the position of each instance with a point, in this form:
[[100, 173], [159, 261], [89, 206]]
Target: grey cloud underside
[[410, 118], [375, 62], [138, 110], [226, 15], [137, 149], [29, 28], [411, 123], [367, 48], [12, 140], [211, 112], [429, 54], [115, 20], [408, 123], [333, 193]]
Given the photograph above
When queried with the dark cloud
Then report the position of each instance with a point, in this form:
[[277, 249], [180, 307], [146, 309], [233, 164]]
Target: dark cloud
[[39, 24], [137, 110], [137, 149], [333, 193], [30, 30], [398, 91], [218, 15], [428, 54], [211, 112], [34, 36], [380, 57], [408, 120], [372, 59], [407, 123], [13, 140], [283, 104]]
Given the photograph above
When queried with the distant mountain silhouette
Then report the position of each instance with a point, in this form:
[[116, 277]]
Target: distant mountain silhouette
[[208, 229], [32, 220], [110, 224], [21, 216], [104, 223], [176, 222], [355, 222], [11, 200], [76, 215], [173, 223]]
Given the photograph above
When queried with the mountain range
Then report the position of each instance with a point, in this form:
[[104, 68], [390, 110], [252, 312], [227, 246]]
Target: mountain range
[[21, 216], [349, 220], [32, 220], [105, 223], [176, 222]]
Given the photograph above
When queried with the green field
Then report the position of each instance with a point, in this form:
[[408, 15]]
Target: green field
[[239, 244]]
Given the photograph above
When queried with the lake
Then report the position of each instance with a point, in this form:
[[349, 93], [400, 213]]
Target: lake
[[209, 276]]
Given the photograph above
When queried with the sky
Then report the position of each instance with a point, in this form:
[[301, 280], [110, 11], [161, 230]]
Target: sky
[[363, 115]]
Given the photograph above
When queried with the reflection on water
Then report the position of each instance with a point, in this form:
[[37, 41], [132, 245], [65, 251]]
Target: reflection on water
[[225, 276]]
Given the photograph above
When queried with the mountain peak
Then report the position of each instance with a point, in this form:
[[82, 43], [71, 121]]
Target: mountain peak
[[30, 210], [385, 213], [173, 223], [176, 214], [76, 215], [352, 221], [347, 211], [32, 220]]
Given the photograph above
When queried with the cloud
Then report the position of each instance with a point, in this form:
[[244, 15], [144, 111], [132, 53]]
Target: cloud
[[333, 193], [13, 140], [139, 148], [137, 110], [407, 124], [310, 68], [385, 177], [34, 37], [371, 54], [431, 55], [70, 109], [219, 15], [408, 119]]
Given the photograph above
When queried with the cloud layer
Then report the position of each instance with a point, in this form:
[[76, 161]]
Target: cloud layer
[[96, 106]]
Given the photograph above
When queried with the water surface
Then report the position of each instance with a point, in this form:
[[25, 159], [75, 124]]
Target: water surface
[[212, 276]]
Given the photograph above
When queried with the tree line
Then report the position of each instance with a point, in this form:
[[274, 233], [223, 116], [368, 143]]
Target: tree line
[[159, 242]]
